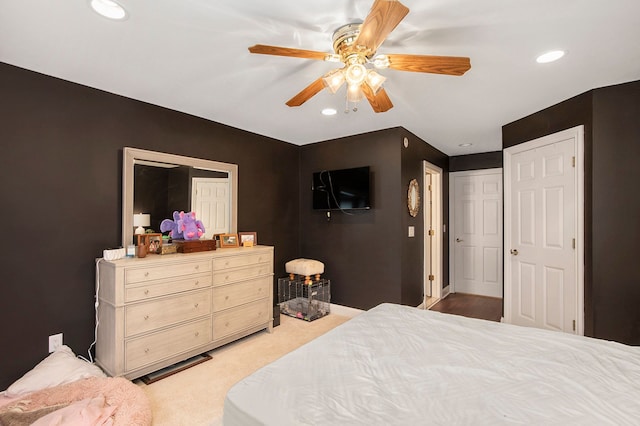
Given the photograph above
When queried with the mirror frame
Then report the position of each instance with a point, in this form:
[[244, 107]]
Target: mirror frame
[[129, 157]]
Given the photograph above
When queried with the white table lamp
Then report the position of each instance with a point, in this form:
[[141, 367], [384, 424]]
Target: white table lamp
[[141, 220]]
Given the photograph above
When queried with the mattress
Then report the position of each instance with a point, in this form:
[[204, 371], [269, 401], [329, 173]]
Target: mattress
[[400, 365]]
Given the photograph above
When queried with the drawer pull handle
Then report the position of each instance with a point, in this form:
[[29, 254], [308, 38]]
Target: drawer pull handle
[[197, 267], [146, 317], [226, 278], [197, 333], [226, 324], [196, 306], [146, 292], [226, 298], [197, 283], [146, 274], [146, 350]]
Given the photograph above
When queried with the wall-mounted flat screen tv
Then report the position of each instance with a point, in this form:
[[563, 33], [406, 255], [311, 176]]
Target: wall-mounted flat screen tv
[[344, 189]]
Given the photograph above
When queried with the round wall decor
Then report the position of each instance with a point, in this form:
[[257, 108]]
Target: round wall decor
[[413, 198]]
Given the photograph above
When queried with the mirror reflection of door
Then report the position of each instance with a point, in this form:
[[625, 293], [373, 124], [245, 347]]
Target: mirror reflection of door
[[210, 201]]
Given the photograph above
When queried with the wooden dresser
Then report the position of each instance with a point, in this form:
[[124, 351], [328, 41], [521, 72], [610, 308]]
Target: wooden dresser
[[162, 309]]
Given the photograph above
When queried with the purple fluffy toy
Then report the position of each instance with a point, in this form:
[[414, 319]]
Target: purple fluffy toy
[[184, 226]]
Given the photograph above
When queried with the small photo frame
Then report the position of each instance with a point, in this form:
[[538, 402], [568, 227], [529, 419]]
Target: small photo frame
[[154, 243], [228, 240], [248, 239]]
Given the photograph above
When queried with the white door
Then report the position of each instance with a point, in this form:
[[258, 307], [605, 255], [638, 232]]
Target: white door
[[433, 235], [542, 281], [210, 201], [477, 232]]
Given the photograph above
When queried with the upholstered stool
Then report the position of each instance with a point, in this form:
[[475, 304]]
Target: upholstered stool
[[304, 267]]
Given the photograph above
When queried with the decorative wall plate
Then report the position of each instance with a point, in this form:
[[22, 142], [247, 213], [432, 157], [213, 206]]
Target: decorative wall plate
[[413, 198]]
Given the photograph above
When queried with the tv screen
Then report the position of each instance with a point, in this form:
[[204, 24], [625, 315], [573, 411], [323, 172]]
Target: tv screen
[[344, 189]]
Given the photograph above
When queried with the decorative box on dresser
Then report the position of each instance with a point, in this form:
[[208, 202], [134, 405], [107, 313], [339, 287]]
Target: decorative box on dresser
[[162, 309]]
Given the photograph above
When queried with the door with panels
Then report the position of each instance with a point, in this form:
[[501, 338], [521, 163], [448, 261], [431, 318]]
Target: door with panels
[[476, 235], [210, 199], [543, 285]]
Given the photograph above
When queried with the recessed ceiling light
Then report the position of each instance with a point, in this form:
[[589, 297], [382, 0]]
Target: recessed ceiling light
[[329, 111], [109, 9], [464, 145], [551, 56]]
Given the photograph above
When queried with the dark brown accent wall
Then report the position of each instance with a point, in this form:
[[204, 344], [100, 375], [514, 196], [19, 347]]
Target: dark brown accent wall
[[480, 161], [367, 254], [612, 206], [615, 205], [61, 167]]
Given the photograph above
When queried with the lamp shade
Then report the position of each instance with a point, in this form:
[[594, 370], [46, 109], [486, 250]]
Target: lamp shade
[[140, 220]]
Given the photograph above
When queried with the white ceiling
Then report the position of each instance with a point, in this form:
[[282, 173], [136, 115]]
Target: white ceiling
[[191, 56]]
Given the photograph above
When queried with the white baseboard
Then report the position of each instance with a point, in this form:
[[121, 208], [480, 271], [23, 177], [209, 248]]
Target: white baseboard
[[345, 311], [446, 291]]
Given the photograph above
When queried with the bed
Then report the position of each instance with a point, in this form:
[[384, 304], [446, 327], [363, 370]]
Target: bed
[[400, 365], [65, 390]]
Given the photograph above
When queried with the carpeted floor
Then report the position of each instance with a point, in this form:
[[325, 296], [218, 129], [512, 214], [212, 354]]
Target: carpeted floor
[[195, 396]]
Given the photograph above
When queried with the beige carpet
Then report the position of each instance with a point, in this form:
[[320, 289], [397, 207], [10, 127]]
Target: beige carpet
[[195, 396]]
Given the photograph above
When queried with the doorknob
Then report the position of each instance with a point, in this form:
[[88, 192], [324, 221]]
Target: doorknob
[[514, 252], [458, 240]]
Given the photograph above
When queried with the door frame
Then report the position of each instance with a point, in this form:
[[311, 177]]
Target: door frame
[[577, 133], [452, 222], [436, 219]]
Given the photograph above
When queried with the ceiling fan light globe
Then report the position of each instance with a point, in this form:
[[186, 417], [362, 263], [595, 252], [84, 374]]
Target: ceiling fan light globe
[[333, 80], [355, 74], [354, 94], [375, 81]]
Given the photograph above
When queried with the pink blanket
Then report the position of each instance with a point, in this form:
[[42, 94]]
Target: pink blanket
[[93, 401]]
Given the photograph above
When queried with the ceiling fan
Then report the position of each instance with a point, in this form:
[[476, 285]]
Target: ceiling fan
[[355, 45]]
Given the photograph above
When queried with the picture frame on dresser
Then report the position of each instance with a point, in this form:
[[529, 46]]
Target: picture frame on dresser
[[151, 241], [154, 243], [228, 240], [248, 239]]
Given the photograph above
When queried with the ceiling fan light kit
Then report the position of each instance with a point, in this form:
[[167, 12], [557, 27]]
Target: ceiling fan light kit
[[355, 45]]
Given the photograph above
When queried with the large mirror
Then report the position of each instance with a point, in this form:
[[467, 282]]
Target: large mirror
[[154, 184]]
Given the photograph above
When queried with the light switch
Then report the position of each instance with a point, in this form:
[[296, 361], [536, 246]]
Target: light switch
[[412, 231]]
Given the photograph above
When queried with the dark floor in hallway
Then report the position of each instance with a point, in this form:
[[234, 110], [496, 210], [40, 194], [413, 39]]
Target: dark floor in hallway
[[470, 305]]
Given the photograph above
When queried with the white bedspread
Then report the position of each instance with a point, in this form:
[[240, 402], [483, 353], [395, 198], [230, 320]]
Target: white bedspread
[[397, 365]]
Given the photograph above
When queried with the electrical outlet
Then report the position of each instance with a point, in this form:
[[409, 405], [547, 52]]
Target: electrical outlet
[[55, 342]]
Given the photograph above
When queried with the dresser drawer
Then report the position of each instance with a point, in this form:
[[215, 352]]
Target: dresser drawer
[[231, 295], [234, 275], [244, 260], [164, 287], [237, 319], [136, 275], [146, 350], [143, 317]]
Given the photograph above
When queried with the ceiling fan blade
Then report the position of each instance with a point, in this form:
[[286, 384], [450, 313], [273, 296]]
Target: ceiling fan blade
[[384, 16], [380, 102], [450, 65], [306, 93], [288, 51]]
